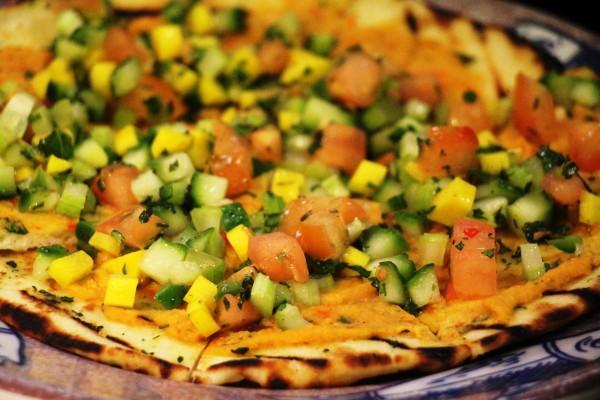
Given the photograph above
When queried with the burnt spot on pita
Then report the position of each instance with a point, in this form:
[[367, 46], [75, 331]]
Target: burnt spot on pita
[[442, 354], [278, 382], [71, 343], [560, 315], [393, 343], [589, 296], [239, 362], [366, 360]]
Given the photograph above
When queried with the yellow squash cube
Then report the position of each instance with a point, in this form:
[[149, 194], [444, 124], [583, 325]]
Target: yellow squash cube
[[453, 202], [167, 41], [211, 92], [589, 208], [120, 291], [125, 139], [353, 256], [239, 237], [69, 269], [367, 177], [100, 75], [199, 151], [203, 291], [127, 264], [201, 317], [287, 184], [200, 19], [56, 165], [170, 141], [496, 162], [305, 67], [105, 242]]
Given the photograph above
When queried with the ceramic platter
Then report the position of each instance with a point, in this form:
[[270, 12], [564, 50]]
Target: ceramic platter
[[564, 364]]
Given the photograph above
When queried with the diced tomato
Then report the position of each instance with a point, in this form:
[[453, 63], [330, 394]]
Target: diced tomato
[[563, 191], [349, 209], [449, 150], [134, 227], [317, 225], [273, 56], [342, 146], [266, 144], [533, 110], [355, 81], [279, 256], [231, 159], [112, 186], [473, 259], [470, 112], [120, 44], [584, 144], [421, 87], [229, 314]]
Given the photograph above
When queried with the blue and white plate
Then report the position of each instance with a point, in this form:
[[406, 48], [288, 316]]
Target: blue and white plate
[[564, 364]]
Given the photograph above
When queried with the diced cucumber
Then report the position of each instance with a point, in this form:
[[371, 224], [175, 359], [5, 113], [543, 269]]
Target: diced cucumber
[[283, 294], [321, 43], [533, 207], [423, 287], [91, 152], [288, 316], [568, 244], [419, 196], [174, 167], [389, 195], [19, 154], [412, 224], [44, 256], [231, 20], [174, 192], [14, 118], [159, 258], [232, 215], [72, 199], [126, 76], [209, 241], [263, 294], [318, 113], [206, 217], [139, 157], [207, 189], [498, 187], [573, 89], [210, 266], [533, 265], [379, 242], [8, 185], [94, 103], [528, 175], [383, 112], [174, 216], [390, 283], [82, 171], [146, 186], [432, 248], [41, 121], [306, 293], [491, 210], [403, 264], [326, 282], [171, 296]]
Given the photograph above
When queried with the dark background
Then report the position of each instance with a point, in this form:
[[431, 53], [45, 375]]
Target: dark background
[[578, 12]]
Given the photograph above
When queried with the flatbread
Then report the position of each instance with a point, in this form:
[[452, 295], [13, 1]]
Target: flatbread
[[353, 334]]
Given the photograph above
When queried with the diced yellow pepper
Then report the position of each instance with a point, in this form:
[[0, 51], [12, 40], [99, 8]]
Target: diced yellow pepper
[[125, 139], [93, 57], [39, 83], [305, 67], [199, 151], [61, 72], [167, 41], [211, 92], [23, 173], [247, 99], [204, 42], [56, 165], [486, 138], [181, 78], [105, 242], [239, 237], [69, 269], [229, 115], [170, 141], [496, 162], [127, 264], [367, 177], [415, 171], [589, 208], [353, 256], [201, 317], [200, 19], [287, 184], [120, 291], [203, 291], [288, 119], [452, 202], [100, 75], [245, 61]]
